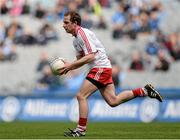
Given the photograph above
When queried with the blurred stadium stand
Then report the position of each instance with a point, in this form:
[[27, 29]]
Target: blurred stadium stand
[[20, 76]]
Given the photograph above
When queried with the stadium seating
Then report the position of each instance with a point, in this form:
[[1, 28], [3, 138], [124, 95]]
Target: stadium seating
[[20, 76]]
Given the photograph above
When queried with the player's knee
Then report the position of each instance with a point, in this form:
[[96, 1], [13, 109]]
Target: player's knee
[[113, 103], [79, 96]]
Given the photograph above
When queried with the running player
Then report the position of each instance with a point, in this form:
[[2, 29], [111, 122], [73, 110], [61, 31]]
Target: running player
[[89, 50]]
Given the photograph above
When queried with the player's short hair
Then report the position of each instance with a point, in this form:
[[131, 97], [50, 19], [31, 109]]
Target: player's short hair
[[74, 17]]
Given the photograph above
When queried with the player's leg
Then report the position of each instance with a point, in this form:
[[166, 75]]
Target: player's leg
[[86, 90], [108, 93]]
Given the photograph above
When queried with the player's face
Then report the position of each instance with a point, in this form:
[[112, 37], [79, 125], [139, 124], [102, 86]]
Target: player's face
[[68, 25]]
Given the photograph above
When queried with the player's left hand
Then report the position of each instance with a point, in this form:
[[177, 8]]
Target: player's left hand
[[65, 69]]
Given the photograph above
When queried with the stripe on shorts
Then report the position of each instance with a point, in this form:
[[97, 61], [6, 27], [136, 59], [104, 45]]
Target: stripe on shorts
[[98, 74]]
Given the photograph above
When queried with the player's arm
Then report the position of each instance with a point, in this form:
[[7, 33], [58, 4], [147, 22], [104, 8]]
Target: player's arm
[[82, 61], [78, 63]]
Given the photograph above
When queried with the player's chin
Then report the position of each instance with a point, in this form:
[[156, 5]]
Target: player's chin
[[67, 30]]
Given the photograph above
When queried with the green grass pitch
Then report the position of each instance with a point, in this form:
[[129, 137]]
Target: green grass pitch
[[109, 130]]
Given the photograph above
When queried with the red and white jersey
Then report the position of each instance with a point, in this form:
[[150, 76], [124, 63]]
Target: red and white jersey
[[85, 43]]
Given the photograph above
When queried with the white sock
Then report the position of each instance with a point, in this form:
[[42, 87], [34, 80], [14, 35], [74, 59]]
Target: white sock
[[145, 92], [81, 128]]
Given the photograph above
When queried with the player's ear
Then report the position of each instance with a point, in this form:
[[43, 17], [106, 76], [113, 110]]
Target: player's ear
[[75, 22]]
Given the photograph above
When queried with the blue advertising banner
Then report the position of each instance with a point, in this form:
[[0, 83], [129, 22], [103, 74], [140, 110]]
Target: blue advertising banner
[[57, 109]]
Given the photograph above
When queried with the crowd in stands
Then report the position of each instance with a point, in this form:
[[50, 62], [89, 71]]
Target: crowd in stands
[[7, 46], [46, 78], [130, 19], [136, 17]]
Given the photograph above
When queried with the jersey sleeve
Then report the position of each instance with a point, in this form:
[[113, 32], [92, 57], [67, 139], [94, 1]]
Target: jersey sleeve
[[86, 42]]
